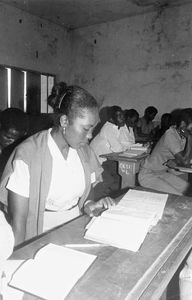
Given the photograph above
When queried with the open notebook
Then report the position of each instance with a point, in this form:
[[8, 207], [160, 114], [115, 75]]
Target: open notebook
[[127, 224], [52, 273]]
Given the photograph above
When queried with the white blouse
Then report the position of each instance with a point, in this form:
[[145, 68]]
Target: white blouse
[[67, 181]]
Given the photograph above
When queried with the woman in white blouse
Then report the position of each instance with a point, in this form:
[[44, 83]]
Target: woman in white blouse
[[49, 176]]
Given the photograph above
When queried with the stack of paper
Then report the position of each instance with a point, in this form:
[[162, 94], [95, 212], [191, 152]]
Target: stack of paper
[[133, 152], [127, 224], [139, 146], [52, 273]]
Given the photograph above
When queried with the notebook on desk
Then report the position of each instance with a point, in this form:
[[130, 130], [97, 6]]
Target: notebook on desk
[[127, 224], [52, 273], [133, 152]]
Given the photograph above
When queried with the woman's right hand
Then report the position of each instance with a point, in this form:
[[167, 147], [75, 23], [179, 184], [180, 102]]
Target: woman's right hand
[[92, 208]]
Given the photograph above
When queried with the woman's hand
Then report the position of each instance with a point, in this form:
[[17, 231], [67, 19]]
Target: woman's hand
[[185, 133], [171, 163], [92, 208]]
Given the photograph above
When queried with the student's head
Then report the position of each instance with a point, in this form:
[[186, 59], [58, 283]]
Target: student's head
[[150, 113], [131, 117], [13, 126], [166, 121], [58, 90], [78, 114], [116, 116], [184, 120]]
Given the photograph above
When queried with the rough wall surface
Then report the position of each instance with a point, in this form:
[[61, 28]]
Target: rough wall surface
[[138, 61], [32, 43]]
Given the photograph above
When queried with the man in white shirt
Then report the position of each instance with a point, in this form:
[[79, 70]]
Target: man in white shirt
[[113, 137]]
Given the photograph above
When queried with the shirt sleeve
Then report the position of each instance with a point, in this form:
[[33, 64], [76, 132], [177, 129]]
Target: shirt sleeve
[[173, 143], [19, 180]]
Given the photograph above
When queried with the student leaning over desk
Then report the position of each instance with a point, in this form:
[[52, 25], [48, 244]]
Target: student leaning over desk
[[50, 174], [174, 148]]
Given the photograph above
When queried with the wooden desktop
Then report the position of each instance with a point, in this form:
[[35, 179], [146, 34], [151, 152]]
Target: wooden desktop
[[121, 274]]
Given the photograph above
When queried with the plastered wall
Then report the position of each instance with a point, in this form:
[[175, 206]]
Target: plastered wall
[[135, 62], [138, 61], [32, 43]]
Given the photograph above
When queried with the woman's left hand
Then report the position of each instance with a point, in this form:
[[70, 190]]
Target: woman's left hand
[[95, 208]]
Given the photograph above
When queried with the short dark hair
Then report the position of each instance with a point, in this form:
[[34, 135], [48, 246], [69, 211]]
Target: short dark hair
[[184, 115], [112, 111], [130, 113], [75, 99], [151, 110], [14, 118]]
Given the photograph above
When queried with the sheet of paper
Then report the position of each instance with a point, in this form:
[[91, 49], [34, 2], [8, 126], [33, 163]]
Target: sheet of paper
[[127, 224], [145, 201], [126, 235], [53, 272], [10, 293]]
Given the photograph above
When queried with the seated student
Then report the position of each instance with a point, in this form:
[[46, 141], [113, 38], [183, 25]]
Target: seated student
[[166, 122], [13, 126], [113, 136], [131, 119], [145, 126], [51, 173], [174, 146], [13, 129]]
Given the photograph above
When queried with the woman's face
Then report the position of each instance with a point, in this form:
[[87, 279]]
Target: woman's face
[[189, 128], [185, 129], [79, 131]]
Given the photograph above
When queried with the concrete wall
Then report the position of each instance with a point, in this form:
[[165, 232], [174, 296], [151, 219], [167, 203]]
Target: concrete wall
[[32, 43], [138, 61]]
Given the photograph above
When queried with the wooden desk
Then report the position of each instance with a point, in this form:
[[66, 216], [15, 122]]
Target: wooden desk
[[128, 167], [120, 274]]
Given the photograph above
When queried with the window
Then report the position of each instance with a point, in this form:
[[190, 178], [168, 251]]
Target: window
[[25, 89]]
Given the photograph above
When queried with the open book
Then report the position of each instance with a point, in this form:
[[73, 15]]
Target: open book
[[52, 273], [127, 224]]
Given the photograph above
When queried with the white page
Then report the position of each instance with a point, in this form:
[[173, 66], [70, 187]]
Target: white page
[[145, 201], [10, 293], [126, 235], [53, 272], [124, 213], [132, 152]]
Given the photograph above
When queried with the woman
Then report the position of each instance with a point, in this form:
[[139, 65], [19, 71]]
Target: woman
[[52, 171], [174, 148]]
